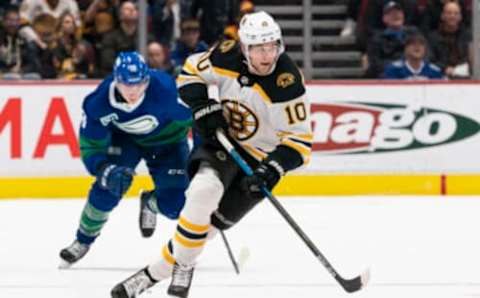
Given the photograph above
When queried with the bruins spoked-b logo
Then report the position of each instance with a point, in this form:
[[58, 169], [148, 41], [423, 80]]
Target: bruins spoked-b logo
[[243, 122]]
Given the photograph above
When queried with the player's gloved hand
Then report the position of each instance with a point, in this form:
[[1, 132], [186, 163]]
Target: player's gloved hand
[[265, 175], [208, 117], [115, 179]]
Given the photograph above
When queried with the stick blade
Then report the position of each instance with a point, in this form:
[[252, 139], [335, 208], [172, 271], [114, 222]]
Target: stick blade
[[355, 284]]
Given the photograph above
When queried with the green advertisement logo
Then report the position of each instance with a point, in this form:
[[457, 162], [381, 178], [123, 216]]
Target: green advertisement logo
[[353, 128]]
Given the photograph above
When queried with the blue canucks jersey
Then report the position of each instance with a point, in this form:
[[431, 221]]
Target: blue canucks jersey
[[158, 118], [401, 70]]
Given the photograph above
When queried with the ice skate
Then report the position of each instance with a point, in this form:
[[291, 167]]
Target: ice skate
[[72, 254], [134, 285], [147, 218], [181, 281]]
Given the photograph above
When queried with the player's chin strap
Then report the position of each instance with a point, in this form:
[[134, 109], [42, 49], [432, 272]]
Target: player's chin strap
[[349, 285]]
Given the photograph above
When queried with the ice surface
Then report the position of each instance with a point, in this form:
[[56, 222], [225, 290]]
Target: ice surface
[[414, 246]]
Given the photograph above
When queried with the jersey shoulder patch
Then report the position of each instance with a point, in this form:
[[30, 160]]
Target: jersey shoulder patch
[[285, 83], [227, 55]]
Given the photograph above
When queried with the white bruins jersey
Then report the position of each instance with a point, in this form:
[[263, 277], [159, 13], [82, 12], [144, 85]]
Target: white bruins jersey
[[262, 111]]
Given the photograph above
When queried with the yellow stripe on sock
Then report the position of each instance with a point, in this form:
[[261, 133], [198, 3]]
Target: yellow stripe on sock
[[199, 229], [167, 256], [188, 243]]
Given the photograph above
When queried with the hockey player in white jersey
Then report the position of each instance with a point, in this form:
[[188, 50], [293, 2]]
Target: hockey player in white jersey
[[262, 108]]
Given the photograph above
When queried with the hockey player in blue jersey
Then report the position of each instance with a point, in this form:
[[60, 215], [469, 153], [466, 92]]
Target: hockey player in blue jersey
[[133, 115]]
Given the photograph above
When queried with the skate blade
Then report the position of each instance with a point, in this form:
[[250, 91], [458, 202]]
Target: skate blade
[[64, 265]]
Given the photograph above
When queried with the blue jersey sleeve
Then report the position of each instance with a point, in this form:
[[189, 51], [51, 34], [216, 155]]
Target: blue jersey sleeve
[[94, 137]]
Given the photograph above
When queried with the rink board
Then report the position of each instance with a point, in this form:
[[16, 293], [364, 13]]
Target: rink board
[[368, 138], [304, 185]]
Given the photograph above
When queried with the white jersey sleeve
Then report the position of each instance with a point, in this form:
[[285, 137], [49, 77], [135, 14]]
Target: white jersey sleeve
[[197, 69]]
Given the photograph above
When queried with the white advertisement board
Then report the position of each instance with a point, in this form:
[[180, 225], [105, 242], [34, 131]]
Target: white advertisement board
[[358, 128], [395, 128], [39, 129]]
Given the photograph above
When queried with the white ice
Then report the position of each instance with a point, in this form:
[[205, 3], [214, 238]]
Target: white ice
[[414, 246]]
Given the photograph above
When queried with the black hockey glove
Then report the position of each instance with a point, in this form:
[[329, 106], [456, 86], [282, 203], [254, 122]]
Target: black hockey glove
[[208, 117], [115, 179], [266, 174]]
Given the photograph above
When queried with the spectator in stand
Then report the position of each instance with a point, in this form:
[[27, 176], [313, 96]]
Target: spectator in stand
[[95, 34], [188, 43], [414, 64], [215, 16], [73, 54], [83, 6], [16, 60], [231, 31], [121, 39], [44, 26], [100, 6], [158, 57], [375, 13], [387, 45], [165, 19], [451, 43], [31, 9], [432, 15], [365, 18], [7, 5]]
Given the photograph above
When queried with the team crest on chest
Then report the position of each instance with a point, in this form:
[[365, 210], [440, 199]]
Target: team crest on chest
[[285, 79], [139, 126], [243, 122]]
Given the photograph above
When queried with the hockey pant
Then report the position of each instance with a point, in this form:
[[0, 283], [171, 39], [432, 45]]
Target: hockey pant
[[166, 165], [214, 201]]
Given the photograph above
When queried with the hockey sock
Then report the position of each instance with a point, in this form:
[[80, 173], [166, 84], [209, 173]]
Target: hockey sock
[[189, 240], [162, 268], [91, 223]]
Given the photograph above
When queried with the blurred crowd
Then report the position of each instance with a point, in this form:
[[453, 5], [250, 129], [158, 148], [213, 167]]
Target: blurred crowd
[[79, 39], [408, 39]]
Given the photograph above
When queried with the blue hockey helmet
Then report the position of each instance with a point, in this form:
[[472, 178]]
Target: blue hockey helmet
[[130, 69]]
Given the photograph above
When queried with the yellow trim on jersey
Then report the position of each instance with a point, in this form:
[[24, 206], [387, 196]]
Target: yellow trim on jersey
[[302, 149], [257, 154], [261, 92], [307, 137], [187, 242], [187, 78], [167, 256], [226, 72], [187, 67], [199, 229]]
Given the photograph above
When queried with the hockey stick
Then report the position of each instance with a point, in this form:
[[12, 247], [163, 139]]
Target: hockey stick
[[349, 285], [230, 253]]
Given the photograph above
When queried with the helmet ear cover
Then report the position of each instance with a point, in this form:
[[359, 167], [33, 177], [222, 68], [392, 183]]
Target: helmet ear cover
[[130, 69]]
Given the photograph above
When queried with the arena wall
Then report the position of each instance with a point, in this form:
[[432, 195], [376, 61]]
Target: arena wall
[[369, 138]]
